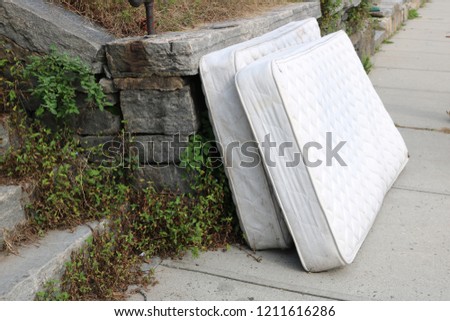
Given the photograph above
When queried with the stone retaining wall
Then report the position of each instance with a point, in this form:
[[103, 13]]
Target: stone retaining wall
[[160, 89], [152, 81], [391, 17]]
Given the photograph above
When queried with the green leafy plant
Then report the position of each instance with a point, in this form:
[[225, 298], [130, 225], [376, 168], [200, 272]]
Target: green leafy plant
[[358, 17], [194, 221], [68, 187], [367, 64], [107, 265], [52, 292], [164, 224], [330, 20], [413, 14], [11, 82], [57, 77]]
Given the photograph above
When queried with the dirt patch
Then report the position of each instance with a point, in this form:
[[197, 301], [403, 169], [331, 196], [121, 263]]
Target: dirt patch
[[122, 20]]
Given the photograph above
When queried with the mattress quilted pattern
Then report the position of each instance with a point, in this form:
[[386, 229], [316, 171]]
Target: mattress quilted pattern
[[260, 217], [299, 96]]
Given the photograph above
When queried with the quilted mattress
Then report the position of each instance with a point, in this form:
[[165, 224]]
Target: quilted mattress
[[330, 148], [260, 218]]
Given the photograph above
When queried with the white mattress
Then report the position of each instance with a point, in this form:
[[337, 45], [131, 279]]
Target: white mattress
[[260, 217], [298, 96]]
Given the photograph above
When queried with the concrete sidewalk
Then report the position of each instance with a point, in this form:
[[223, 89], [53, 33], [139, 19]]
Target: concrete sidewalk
[[407, 254]]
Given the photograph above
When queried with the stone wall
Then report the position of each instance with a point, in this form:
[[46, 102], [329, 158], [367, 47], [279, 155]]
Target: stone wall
[[152, 81], [160, 90], [393, 13], [35, 25]]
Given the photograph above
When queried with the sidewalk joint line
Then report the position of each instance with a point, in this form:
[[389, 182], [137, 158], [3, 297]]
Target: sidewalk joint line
[[254, 283], [421, 40], [380, 66], [414, 89], [394, 51], [443, 130], [419, 191]]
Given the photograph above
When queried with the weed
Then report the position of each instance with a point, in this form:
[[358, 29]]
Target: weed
[[11, 80], [122, 20], [367, 64], [107, 265], [52, 292], [153, 224], [387, 42], [67, 189], [23, 233], [357, 17], [57, 78], [331, 17], [413, 14], [356, 20]]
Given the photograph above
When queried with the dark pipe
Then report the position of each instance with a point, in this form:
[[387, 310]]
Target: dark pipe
[[136, 3], [149, 15], [148, 12]]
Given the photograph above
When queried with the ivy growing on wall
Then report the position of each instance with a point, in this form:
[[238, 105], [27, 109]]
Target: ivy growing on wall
[[331, 16], [357, 17], [57, 77], [334, 17]]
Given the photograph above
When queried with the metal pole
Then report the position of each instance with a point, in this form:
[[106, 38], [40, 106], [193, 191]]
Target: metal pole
[[149, 15], [149, 5]]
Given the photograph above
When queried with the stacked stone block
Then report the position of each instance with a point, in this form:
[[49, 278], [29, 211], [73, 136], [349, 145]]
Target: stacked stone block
[[152, 82], [159, 113]]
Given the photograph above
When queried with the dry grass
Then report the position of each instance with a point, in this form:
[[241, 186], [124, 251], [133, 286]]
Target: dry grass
[[22, 234], [122, 20]]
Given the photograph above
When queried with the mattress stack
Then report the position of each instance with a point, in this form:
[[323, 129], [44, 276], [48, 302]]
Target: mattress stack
[[313, 150]]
